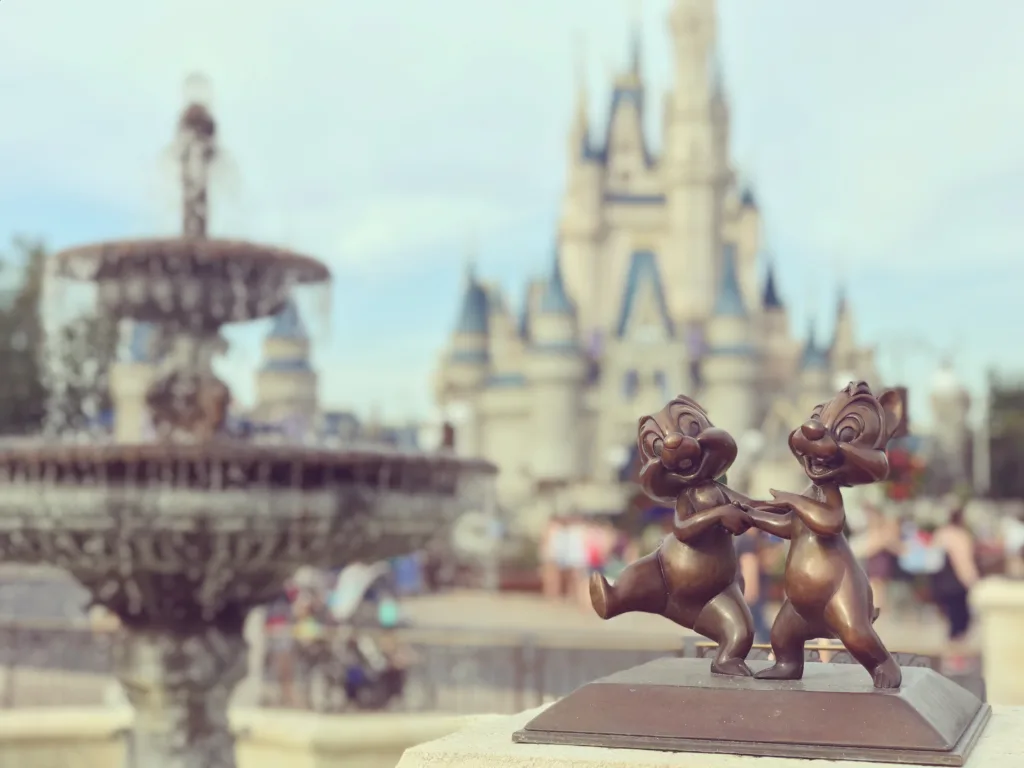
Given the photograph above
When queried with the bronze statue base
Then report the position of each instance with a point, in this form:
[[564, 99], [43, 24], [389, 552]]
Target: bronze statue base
[[833, 713]]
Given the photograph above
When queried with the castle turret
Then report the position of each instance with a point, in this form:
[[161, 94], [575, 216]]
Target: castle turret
[[694, 164], [816, 383], [774, 320], [745, 230], [504, 342], [581, 215], [466, 365], [626, 153], [286, 384], [555, 369], [729, 372], [844, 345], [129, 379]]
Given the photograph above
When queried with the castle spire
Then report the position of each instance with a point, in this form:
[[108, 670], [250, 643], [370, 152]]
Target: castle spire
[[473, 314], [717, 78], [771, 300], [580, 137], [554, 300], [843, 341], [636, 48], [814, 357]]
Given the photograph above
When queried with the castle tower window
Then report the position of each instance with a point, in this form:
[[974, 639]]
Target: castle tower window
[[661, 383], [630, 385]]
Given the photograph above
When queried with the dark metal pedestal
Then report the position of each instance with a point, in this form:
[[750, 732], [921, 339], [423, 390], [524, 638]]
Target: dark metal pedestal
[[834, 713]]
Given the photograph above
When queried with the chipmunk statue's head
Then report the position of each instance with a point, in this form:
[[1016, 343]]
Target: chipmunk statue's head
[[844, 440], [680, 448]]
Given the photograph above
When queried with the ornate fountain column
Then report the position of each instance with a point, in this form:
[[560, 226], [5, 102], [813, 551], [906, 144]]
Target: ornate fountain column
[[180, 685]]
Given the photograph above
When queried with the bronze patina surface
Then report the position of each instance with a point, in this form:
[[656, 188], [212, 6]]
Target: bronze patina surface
[[827, 592], [834, 712], [788, 708], [693, 577]]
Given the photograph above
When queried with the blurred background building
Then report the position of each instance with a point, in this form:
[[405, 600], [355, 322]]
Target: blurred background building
[[657, 286]]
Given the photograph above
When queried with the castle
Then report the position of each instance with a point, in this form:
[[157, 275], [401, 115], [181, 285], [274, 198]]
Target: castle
[[654, 289]]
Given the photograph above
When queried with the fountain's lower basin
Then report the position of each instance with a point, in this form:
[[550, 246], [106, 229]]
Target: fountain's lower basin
[[181, 540]]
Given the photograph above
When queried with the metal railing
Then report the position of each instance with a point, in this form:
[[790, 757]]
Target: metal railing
[[454, 670]]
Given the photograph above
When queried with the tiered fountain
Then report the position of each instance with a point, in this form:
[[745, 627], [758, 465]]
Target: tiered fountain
[[182, 536]]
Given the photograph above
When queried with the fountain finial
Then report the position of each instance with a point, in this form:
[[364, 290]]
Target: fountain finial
[[197, 150]]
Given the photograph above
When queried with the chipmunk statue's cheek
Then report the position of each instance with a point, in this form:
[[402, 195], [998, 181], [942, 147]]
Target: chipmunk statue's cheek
[[865, 465], [660, 484]]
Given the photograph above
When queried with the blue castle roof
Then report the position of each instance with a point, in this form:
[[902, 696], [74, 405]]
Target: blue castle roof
[[475, 310], [554, 300], [288, 323], [814, 358], [729, 301], [643, 270], [771, 298]]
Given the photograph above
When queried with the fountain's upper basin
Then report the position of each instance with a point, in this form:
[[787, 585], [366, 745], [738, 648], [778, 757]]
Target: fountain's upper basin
[[194, 282], [223, 464]]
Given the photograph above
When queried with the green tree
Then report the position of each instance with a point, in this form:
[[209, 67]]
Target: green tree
[[23, 396], [58, 381], [1006, 439]]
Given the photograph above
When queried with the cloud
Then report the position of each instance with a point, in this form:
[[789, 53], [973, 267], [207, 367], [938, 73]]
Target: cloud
[[357, 129], [382, 136]]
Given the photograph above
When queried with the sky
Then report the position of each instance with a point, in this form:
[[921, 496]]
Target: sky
[[392, 139]]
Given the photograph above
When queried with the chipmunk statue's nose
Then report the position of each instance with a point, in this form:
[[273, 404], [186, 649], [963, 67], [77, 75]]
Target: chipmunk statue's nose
[[678, 449], [813, 429]]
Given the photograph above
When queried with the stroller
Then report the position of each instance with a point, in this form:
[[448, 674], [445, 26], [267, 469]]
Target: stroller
[[364, 666]]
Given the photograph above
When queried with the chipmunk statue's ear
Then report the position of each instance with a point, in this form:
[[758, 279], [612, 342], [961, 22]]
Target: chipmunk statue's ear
[[892, 406]]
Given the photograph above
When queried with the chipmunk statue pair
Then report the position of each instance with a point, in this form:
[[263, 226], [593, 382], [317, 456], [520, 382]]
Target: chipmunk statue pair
[[693, 577]]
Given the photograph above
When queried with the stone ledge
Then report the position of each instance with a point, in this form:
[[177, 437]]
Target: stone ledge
[[345, 733], [47, 737], [998, 593], [488, 744]]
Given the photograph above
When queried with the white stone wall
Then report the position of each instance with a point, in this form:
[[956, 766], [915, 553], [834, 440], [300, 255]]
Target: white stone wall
[[128, 384]]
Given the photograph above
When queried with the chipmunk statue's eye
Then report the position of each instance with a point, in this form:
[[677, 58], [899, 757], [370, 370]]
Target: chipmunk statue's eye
[[847, 435], [651, 440], [688, 425], [849, 428]]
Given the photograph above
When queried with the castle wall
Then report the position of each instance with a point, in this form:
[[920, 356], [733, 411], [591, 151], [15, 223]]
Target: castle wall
[[555, 410], [505, 440]]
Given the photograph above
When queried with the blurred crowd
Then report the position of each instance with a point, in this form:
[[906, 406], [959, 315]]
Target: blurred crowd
[[911, 566], [575, 547]]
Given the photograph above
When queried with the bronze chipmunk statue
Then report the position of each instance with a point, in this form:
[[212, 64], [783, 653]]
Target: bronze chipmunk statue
[[693, 577], [827, 592]]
